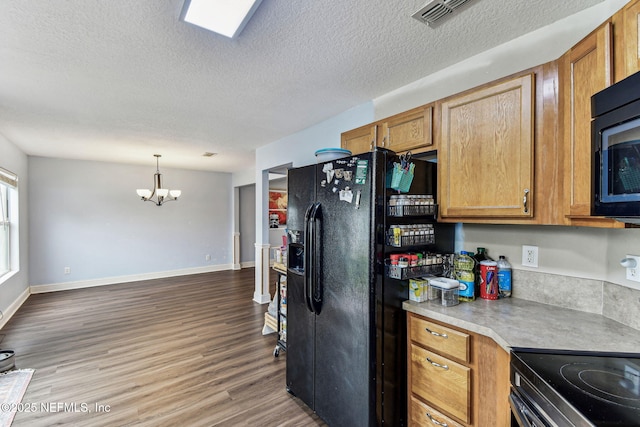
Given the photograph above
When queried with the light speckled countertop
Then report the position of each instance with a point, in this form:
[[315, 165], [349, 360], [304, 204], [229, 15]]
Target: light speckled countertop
[[514, 322]]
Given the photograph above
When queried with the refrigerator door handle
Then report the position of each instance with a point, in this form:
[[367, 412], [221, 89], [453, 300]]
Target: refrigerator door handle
[[308, 260], [316, 259]]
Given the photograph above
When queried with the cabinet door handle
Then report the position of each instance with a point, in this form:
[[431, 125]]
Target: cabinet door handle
[[384, 138], [437, 365], [525, 200], [436, 422], [436, 333]]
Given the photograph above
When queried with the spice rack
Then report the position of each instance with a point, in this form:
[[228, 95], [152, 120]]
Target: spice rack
[[410, 235], [403, 205], [416, 215], [404, 273]]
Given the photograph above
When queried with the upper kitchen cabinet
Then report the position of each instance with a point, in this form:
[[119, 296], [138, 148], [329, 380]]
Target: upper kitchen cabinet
[[409, 131], [626, 24], [360, 140], [486, 152], [586, 69]]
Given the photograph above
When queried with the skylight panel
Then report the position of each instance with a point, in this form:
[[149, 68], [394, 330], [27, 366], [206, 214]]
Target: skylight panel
[[225, 17]]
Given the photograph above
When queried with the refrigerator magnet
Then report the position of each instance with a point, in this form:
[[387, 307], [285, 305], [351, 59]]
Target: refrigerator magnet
[[346, 195], [361, 171], [328, 170]]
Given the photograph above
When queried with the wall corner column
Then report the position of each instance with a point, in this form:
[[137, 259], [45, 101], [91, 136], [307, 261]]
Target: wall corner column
[[261, 292]]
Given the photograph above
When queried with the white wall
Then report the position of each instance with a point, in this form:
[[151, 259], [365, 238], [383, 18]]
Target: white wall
[[14, 160], [87, 216], [299, 150]]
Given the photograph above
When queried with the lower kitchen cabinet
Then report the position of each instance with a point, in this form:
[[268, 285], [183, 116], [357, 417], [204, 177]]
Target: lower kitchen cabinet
[[424, 415], [455, 376]]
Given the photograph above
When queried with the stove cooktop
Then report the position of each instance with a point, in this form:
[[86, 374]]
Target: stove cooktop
[[603, 387]]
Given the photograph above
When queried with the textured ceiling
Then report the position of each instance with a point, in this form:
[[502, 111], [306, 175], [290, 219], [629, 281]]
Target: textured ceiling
[[119, 80]]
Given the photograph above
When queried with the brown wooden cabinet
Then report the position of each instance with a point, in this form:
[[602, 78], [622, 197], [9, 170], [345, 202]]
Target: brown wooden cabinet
[[455, 376], [408, 131], [626, 24], [586, 69], [360, 140], [425, 415], [487, 150]]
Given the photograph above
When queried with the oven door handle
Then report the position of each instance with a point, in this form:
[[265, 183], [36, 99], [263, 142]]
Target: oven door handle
[[524, 416]]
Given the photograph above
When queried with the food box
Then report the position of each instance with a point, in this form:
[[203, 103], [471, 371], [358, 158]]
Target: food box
[[417, 289]]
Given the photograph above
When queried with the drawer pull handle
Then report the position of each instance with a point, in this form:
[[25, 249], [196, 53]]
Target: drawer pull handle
[[436, 422], [436, 333], [437, 365]]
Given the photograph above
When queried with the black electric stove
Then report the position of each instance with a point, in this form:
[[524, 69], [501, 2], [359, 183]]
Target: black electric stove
[[564, 388]]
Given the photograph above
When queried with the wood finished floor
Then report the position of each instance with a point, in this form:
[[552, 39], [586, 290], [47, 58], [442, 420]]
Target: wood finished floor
[[168, 352]]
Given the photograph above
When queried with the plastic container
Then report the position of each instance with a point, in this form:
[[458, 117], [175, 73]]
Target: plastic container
[[449, 290], [463, 266], [504, 277], [450, 297], [328, 154], [433, 292]]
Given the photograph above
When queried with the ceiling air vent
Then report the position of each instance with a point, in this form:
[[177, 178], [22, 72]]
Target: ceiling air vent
[[435, 10]]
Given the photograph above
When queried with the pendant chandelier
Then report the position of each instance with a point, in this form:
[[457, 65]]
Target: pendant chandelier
[[159, 192]]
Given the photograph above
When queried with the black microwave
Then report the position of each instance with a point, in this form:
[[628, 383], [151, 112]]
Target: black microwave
[[616, 151]]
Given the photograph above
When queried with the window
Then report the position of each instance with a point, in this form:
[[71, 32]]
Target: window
[[8, 194]]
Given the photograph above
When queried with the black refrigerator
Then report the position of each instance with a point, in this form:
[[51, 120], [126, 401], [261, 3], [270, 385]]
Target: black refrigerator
[[346, 330]]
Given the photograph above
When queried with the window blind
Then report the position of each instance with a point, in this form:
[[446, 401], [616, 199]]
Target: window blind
[[8, 178]]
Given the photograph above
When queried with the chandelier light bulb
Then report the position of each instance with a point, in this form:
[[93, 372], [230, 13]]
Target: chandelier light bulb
[[158, 191]]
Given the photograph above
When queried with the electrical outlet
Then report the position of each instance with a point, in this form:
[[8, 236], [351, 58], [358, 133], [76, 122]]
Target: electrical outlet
[[67, 270], [633, 273], [207, 257], [529, 256]]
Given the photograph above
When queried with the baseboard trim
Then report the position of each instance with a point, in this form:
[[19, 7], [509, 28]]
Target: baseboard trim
[[13, 308], [54, 287]]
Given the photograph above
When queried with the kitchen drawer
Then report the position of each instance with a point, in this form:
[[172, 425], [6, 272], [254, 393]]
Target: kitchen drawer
[[442, 382], [425, 415], [446, 341]]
